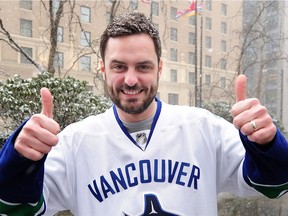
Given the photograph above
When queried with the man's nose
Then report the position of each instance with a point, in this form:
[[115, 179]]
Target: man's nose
[[131, 77]]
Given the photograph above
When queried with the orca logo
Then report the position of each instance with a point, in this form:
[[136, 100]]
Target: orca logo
[[153, 207]]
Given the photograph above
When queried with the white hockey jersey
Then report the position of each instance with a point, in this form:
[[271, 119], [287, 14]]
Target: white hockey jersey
[[191, 156]]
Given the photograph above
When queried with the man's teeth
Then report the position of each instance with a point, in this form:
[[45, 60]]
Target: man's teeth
[[132, 92]]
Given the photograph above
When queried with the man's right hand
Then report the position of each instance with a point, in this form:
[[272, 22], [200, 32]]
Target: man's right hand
[[39, 134]]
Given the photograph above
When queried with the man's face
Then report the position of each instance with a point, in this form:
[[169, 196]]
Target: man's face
[[132, 72]]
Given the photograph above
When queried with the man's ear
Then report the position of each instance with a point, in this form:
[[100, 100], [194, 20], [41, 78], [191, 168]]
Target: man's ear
[[160, 67], [102, 69]]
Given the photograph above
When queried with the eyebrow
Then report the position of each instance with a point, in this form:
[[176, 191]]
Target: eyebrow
[[138, 63]]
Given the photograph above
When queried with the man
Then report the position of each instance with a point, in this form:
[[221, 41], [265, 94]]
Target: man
[[142, 156]]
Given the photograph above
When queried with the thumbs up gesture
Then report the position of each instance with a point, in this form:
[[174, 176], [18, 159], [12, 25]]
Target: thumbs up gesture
[[250, 117], [39, 134]]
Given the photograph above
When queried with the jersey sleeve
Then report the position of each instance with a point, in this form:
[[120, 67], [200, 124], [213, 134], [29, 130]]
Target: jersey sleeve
[[21, 181], [265, 167]]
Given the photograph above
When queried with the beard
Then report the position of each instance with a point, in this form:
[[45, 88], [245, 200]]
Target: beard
[[134, 105]]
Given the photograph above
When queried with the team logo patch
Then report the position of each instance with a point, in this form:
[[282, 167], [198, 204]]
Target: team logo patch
[[141, 138], [153, 207]]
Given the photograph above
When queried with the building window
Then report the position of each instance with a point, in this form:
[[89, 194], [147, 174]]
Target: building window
[[173, 75], [208, 79], [173, 99], [191, 58], [192, 38], [208, 61], [223, 64], [26, 4], [85, 63], [55, 6], [191, 77], [60, 34], [26, 27], [59, 60], [223, 27], [155, 8], [85, 14], [223, 9], [133, 4], [29, 52], [173, 13], [192, 20], [173, 34], [85, 38], [208, 5], [208, 42], [173, 54], [223, 46], [208, 23], [223, 82]]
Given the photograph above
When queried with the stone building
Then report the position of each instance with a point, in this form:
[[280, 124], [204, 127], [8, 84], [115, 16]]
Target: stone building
[[213, 35]]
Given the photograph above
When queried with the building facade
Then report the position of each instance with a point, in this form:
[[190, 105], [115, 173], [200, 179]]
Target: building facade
[[265, 54], [200, 53]]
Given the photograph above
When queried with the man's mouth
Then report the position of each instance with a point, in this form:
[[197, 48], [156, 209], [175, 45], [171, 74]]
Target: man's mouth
[[131, 92]]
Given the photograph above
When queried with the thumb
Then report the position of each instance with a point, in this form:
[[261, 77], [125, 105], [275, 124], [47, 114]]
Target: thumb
[[240, 87], [47, 102]]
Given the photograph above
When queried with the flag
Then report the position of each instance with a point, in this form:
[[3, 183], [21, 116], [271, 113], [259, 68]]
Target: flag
[[191, 11], [146, 1]]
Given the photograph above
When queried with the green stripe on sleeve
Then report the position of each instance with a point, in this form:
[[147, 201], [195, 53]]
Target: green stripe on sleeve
[[27, 209]]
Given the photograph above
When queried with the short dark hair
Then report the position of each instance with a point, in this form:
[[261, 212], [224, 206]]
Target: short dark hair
[[129, 24]]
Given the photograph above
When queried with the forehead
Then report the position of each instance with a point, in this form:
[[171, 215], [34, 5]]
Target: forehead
[[130, 46]]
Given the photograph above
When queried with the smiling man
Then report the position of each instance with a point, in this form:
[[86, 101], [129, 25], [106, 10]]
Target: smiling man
[[142, 156]]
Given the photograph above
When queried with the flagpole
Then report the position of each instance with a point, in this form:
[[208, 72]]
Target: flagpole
[[196, 47], [201, 53]]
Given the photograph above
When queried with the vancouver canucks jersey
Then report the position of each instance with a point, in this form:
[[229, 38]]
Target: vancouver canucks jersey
[[189, 156]]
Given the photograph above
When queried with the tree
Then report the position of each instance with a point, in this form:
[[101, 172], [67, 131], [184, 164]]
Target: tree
[[221, 109], [19, 99]]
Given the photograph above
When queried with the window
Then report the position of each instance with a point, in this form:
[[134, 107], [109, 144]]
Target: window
[[173, 54], [60, 36], [173, 98], [208, 61], [55, 6], [23, 58], [59, 60], [173, 34], [208, 42], [223, 46], [85, 14], [209, 5], [223, 64], [223, 82], [192, 38], [108, 17], [192, 20], [26, 4], [208, 79], [155, 8], [208, 23], [191, 58], [173, 13], [85, 38], [224, 9], [173, 75], [223, 27], [133, 4], [191, 77], [26, 27], [85, 63]]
